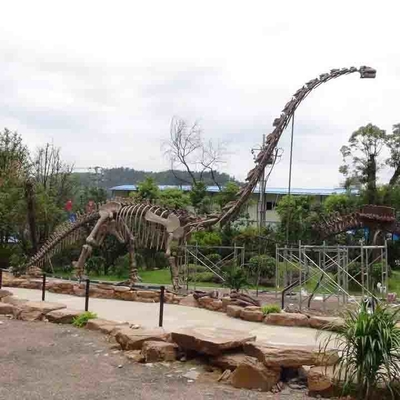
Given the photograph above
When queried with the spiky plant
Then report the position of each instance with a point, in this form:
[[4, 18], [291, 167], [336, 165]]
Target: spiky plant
[[369, 351]]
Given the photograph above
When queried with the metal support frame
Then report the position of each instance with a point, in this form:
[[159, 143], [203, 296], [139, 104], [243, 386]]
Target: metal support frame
[[196, 254], [295, 266]]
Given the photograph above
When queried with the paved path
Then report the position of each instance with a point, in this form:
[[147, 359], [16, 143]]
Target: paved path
[[175, 316]]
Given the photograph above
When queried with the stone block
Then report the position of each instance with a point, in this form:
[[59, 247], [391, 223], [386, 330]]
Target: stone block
[[159, 351], [148, 294], [231, 360], [210, 340], [332, 323], [234, 311], [289, 356], [133, 339], [8, 309], [287, 319], [63, 316], [249, 315], [105, 326], [255, 376], [5, 293]]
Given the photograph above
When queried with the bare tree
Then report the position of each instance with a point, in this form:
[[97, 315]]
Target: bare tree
[[186, 148], [52, 173]]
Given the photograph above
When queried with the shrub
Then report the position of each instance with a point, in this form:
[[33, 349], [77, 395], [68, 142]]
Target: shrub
[[95, 265], [204, 277], [236, 279], [270, 308], [368, 345], [264, 264], [82, 319]]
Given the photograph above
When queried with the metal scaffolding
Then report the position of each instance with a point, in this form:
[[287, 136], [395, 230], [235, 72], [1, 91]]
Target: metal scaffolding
[[336, 271], [195, 255]]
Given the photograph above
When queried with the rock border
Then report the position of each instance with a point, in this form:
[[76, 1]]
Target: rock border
[[234, 305]]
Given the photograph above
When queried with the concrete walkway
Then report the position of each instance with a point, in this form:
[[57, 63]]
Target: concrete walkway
[[175, 316]]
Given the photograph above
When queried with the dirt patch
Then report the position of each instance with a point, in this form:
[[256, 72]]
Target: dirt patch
[[47, 361]]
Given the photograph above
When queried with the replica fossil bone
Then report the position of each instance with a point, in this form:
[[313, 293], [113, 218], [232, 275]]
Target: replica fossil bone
[[143, 225]]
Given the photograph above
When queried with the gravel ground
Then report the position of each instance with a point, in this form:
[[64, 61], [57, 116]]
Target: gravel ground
[[59, 362]]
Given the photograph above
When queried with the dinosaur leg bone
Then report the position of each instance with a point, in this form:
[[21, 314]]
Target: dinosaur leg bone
[[133, 276], [80, 264]]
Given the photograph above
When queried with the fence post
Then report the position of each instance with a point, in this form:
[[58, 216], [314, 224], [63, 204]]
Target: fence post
[[44, 287], [87, 295], [160, 323]]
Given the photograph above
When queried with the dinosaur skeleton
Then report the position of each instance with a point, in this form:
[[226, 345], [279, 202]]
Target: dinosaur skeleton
[[144, 225], [376, 218]]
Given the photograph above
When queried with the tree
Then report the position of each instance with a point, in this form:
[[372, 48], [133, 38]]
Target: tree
[[14, 167], [53, 187], [174, 198], [187, 149], [147, 190], [301, 212], [360, 157], [341, 203]]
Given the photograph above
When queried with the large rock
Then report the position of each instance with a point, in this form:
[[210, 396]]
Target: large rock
[[148, 294], [210, 303], [255, 375], [234, 311], [36, 310], [63, 316], [226, 301], [320, 380], [15, 301], [105, 326], [159, 351], [189, 301], [4, 293], [231, 360], [43, 306], [7, 309], [209, 340], [126, 295], [286, 319], [331, 323], [288, 357], [250, 315], [121, 288], [133, 339]]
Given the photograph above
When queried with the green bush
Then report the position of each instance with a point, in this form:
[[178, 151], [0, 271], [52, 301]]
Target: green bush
[[82, 319], [368, 345], [264, 264], [270, 308], [236, 279], [95, 265], [196, 268], [204, 277]]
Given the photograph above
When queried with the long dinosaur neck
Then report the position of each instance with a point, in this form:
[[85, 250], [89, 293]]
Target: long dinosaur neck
[[232, 208]]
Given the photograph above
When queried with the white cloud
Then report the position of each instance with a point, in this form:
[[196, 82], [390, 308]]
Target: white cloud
[[103, 79]]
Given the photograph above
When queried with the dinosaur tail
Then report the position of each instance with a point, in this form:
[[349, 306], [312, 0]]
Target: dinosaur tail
[[66, 234]]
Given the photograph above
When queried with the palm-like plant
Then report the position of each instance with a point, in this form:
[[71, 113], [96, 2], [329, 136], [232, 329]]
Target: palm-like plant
[[369, 349]]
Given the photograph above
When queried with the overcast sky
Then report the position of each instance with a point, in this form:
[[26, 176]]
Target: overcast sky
[[102, 79]]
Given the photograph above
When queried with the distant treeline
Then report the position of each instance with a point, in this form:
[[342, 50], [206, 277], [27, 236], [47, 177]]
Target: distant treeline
[[108, 178]]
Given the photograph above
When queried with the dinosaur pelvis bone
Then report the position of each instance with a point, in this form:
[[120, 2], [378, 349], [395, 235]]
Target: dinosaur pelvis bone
[[171, 224]]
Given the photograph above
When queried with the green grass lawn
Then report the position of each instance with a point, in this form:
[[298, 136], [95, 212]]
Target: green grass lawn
[[158, 277]]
